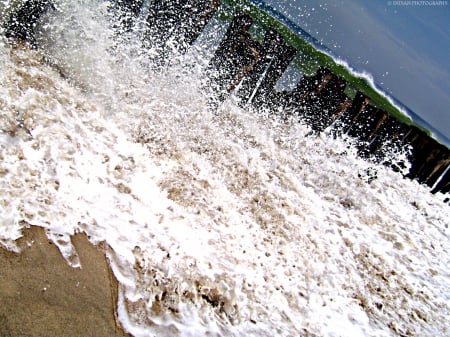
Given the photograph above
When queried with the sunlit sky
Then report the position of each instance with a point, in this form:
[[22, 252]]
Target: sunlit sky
[[405, 45]]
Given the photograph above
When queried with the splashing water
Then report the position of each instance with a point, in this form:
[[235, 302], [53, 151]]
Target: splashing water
[[226, 223]]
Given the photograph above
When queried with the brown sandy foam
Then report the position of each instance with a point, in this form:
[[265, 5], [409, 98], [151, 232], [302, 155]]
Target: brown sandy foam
[[40, 295]]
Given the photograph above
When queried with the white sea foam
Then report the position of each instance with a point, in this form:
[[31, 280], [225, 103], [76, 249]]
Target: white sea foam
[[225, 223]]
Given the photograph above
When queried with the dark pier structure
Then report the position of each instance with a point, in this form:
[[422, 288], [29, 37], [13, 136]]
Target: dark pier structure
[[250, 66]]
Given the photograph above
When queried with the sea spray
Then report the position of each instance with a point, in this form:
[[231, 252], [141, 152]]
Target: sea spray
[[227, 222]]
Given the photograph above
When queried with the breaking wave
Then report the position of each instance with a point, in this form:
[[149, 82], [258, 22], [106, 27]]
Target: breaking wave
[[219, 223]]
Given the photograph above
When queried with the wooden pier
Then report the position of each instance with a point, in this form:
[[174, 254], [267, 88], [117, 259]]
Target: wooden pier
[[328, 99]]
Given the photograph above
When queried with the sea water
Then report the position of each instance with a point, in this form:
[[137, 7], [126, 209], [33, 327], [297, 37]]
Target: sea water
[[219, 223]]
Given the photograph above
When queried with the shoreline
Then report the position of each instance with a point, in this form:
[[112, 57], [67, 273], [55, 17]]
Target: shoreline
[[42, 295]]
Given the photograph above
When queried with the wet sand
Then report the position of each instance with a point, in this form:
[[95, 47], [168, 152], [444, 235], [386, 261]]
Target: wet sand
[[41, 295]]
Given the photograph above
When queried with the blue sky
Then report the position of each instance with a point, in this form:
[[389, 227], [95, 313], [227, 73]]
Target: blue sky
[[405, 45]]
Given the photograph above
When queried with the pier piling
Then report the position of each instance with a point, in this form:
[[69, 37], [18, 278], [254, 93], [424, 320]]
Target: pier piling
[[236, 55], [251, 70], [275, 56], [22, 23]]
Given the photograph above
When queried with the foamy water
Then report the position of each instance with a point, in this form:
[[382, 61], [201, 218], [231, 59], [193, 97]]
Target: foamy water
[[227, 223]]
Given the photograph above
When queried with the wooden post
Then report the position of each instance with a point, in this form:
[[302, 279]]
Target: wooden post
[[274, 59], [196, 15], [429, 159], [443, 185], [321, 105], [235, 56], [350, 114], [22, 23], [319, 100], [308, 86], [359, 104], [131, 7], [341, 108], [334, 97], [363, 123], [179, 21], [435, 165], [380, 118], [388, 137], [420, 149], [274, 72], [375, 136], [125, 11], [439, 169]]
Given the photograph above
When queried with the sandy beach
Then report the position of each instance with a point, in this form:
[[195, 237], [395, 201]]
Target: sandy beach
[[41, 295]]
